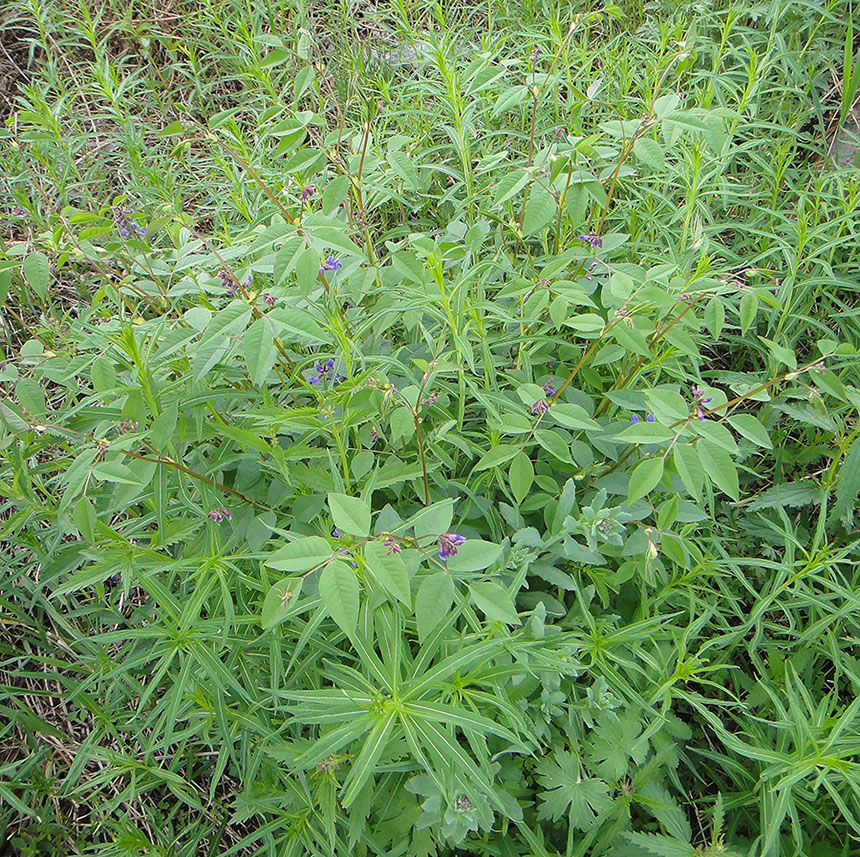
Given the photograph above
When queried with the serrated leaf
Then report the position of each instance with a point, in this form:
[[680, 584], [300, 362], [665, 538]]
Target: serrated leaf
[[494, 601], [662, 846], [340, 594], [301, 555], [433, 602], [350, 514]]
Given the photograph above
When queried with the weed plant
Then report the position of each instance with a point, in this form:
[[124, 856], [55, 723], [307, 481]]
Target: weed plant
[[429, 429]]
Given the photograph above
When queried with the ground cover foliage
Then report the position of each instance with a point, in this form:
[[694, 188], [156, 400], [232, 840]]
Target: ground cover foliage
[[429, 429]]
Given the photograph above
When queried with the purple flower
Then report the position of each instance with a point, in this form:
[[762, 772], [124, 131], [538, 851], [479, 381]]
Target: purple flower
[[331, 264], [540, 407], [218, 515], [448, 544], [591, 238], [345, 552], [231, 289], [374, 436], [124, 233], [269, 300], [308, 192], [248, 280], [325, 373], [392, 546], [651, 418], [634, 419], [122, 218], [699, 399], [335, 533], [549, 388]]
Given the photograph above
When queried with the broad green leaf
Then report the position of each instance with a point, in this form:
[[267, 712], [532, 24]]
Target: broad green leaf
[[114, 471], [718, 465], [644, 478], [259, 348], [689, 468], [403, 167], [350, 514], [541, 210], [390, 570], [433, 520], [301, 555], [554, 444], [339, 593], [496, 456], [747, 311], [509, 185], [494, 601], [573, 416], [31, 396], [848, 483], [521, 476], [645, 432], [751, 428], [298, 326], [650, 152], [37, 273], [433, 602], [474, 555], [279, 600]]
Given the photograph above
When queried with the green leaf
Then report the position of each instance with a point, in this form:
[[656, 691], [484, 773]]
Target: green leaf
[[350, 514], [509, 185], [496, 456], [301, 555], [541, 208], [662, 846], [720, 468], [474, 555], [645, 432], [432, 520], [402, 166], [114, 471], [494, 601], [650, 153], [299, 326], [259, 348], [689, 468], [644, 478], [390, 571], [339, 593], [279, 600], [521, 476], [433, 602], [31, 396], [37, 273], [573, 416], [747, 311], [554, 444], [307, 273], [751, 428], [848, 484]]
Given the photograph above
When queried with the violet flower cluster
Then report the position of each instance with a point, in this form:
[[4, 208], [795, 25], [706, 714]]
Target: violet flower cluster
[[331, 264], [325, 372], [123, 219], [649, 419], [448, 544], [219, 515], [591, 238], [700, 399]]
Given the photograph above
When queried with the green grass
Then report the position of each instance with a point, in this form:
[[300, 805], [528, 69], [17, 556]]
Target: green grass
[[647, 644]]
